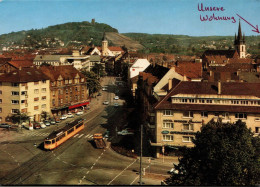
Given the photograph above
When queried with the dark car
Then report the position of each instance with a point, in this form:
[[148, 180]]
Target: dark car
[[36, 125], [5, 125]]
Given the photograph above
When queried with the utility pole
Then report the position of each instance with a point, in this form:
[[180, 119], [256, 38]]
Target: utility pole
[[141, 154]]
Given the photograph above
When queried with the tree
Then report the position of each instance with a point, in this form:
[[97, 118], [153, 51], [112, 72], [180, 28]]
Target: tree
[[44, 115], [93, 83], [224, 154], [19, 117], [98, 69]]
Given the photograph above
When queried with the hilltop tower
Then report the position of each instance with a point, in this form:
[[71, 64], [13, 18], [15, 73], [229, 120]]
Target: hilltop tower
[[104, 45], [240, 43]]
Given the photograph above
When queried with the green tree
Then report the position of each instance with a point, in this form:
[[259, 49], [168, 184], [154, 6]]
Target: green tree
[[93, 83], [19, 118], [224, 154], [98, 69], [44, 115]]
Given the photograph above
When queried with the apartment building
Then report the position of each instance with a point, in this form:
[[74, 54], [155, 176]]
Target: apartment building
[[68, 89], [190, 105], [25, 90]]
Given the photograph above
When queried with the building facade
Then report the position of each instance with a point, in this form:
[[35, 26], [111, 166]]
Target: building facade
[[26, 90]]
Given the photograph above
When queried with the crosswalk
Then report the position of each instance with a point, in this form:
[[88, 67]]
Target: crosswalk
[[86, 136]]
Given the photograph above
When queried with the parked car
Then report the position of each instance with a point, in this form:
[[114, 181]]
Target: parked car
[[43, 126], [105, 102], [52, 121], [57, 120], [99, 94], [124, 132], [106, 134], [116, 98], [70, 115], [63, 117], [5, 125], [79, 113], [104, 88], [46, 122], [116, 104], [173, 171], [36, 125]]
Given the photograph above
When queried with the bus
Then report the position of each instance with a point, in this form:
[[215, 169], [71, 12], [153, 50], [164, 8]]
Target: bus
[[58, 137]]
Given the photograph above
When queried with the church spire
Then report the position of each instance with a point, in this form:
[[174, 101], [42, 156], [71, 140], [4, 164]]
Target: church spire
[[104, 36], [239, 34]]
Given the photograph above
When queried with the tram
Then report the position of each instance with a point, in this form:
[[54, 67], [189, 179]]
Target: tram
[[58, 137]]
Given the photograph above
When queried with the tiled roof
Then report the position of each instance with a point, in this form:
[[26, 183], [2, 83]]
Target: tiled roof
[[115, 48], [31, 74], [226, 53], [4, 60], [190, 69], [156, 70], [47, 57], [21, 63], [211, 88], [67, 72]]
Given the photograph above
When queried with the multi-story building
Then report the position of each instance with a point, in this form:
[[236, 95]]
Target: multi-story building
[[190, 105], [68, 89], [26, 90]]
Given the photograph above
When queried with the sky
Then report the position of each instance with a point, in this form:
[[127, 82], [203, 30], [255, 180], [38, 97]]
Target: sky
[[139, 16]]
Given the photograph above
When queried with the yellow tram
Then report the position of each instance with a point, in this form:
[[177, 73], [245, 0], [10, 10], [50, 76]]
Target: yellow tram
[[58, 137]]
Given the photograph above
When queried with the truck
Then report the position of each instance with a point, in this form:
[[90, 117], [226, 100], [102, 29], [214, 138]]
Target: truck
[[99, 141]]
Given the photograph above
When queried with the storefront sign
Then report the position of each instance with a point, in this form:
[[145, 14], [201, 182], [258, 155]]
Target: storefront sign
[[181, 121]]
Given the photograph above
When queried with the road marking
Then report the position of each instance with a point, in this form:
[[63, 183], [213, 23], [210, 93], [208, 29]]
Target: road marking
[[121, 172], [91, 167], [65, 162], [87, 172], [134, 180], [81, 135], [75, 136], [94, 164], [86, 136], [102, 153]]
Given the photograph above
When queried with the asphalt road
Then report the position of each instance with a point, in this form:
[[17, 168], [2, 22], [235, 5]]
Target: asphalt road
[[77, 161]]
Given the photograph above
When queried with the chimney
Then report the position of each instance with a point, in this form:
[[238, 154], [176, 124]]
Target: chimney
[[20, 68], [184, 78], [219, 87], [210, 73], [169, 84]]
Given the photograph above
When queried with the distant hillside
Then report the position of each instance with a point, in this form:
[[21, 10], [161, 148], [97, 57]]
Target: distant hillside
[[188, 45], [74, 33], [121, 40]]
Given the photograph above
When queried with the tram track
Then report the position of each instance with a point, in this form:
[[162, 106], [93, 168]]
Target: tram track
[[27, 169]]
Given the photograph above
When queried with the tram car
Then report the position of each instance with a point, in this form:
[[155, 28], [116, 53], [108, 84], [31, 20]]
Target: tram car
[[58, 137]]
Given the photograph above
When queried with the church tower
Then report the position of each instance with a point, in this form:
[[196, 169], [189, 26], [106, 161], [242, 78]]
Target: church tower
[[240, 43], [104, 45]]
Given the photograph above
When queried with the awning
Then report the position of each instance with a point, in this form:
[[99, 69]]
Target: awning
[[78, 105]]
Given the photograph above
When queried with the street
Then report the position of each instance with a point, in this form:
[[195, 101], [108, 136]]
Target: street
[[77, 161]]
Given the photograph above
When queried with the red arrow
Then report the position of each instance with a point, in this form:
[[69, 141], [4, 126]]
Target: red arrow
[[255, 27]]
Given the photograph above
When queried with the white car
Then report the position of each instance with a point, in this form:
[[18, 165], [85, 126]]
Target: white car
[[63, 117], [104, 88], [116, 98], [70, 115], [125, 132], [79, 113], [105, 102], [43, 126], [173, 171]]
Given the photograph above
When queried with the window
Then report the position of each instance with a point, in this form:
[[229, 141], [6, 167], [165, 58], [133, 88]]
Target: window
[[234, 102], [209, 101], [0, 83], [15, 93], [204, 114], [53, 93], [43, 98], [184, 100], [167, 137], [23, 101], [201, 101], [36, 83], [24, 93], [53, 102], [0, 100], [66, 99], [70, 81], [15, 102], [257, 130], [187, 138], [36, 91], [76, 88], [60, 92], [82, 79], [0, 92], [192, 100], [167, 112], [244, 102], [14, 111], [70, 90], [188, 114], [66, 81], [36, 99], [15, 84], [0, 110], [53, 83], [59, 83], [43, 105], [66, 90], [82, 88], [167, 124], [61, 101], [241, 116], [44, 81], [43, 90], [187, 127], [216, 114], [36, 107]]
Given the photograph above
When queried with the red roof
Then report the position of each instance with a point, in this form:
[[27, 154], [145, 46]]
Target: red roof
[[190, 69]]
